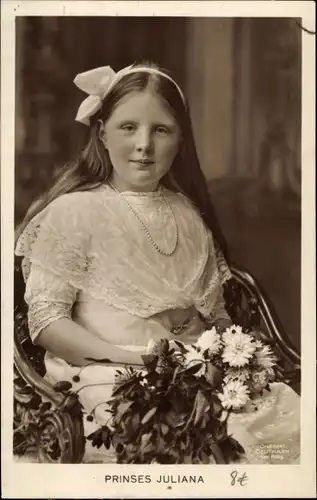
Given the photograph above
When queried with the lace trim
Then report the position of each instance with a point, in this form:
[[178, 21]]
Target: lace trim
[[224, 269], [76, 240], [42, 315], [138, 194]]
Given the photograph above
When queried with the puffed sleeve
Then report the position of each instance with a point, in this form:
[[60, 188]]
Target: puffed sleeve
[[54, 246], [49, 298]]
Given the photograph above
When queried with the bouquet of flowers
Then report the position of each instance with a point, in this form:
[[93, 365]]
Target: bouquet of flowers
[[175, 409]]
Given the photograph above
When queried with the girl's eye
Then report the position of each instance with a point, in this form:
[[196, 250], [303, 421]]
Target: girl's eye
[[162, 130], [128, 127]]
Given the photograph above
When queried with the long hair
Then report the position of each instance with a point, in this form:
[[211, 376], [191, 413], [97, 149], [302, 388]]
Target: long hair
[[93, 167]]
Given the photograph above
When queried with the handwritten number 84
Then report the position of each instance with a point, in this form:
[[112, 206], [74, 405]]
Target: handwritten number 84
[[240, 479]]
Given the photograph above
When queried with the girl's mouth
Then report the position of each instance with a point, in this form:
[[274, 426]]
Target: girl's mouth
[[143, 163]]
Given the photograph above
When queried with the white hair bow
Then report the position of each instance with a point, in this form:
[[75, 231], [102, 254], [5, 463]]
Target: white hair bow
[[97, 83]]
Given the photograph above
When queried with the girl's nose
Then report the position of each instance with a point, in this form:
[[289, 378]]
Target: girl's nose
[[144, 140]]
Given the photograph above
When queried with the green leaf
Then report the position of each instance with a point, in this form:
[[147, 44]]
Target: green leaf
[[164, 429], [119, 448], [106, 436], [148, 448], [184, 441], [176, 372], [63, 386], [94, 434], [201, 404], [150, 361], [237, 446], [180, 345], [163, 347], [217, 408], [95, 438], [123, 387], [213, 375], [149, 415], [171, 418], [193, 369], [224, 415], [135, 421], [123, 408], [107, 442], [206, 354], [146, 438], [204, 458]]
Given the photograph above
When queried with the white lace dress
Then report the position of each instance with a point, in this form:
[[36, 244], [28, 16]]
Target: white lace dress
[[87, 257]]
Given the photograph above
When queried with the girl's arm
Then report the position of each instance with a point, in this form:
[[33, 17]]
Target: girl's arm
[[67, 340], [221, 319]]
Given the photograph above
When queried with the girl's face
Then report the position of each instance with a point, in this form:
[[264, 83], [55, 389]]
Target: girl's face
[[142, 139]]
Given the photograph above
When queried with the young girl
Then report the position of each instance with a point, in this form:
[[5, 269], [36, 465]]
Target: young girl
[[125, 248]]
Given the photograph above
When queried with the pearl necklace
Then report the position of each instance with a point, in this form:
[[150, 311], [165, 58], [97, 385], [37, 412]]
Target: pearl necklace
[[145, 229]]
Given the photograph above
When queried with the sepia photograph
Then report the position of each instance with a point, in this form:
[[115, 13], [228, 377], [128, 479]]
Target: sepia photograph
[[158, 243]]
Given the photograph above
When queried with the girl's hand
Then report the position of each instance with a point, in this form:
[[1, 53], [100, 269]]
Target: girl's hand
[[223, 323]]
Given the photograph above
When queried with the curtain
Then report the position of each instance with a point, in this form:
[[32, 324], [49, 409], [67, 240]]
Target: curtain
[[50, 51]]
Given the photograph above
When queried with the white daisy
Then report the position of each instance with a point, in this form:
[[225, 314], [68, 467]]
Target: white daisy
[[231, 330], [270, 374], [192, 357], [260, 379], [265, 356], [239, 349], [235, 395], [211, 340]]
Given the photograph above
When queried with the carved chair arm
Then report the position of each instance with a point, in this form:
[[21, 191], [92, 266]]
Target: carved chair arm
[[273, 332], [47, 422], [31, 377]]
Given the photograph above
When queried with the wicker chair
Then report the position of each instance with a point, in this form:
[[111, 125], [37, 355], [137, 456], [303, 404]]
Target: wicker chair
[[48, 421]]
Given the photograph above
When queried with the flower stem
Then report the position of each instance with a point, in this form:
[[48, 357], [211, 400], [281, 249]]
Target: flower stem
[[92, 385]]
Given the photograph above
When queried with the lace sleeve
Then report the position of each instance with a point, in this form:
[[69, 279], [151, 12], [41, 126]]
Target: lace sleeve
[[54, 246], [220, 314], [57, 240], [211, 302], [48, 297], [223, 267]]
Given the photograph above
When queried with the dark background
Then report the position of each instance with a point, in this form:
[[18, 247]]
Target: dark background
[[243, 81]]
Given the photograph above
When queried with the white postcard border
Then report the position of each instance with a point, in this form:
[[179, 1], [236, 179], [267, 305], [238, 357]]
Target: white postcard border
[[22, 480]]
